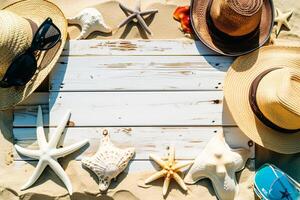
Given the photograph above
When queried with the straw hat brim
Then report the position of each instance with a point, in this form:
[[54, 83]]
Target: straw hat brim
[[224, 44], [36, 11], [236, 89]]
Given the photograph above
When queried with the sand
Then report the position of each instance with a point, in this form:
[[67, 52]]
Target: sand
[[85, 187], [49, 187], [289, 37], [113, 15], [162, 24], [127, 186]]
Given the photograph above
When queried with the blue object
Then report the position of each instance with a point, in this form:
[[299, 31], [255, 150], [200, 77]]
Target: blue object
[[270, 183]]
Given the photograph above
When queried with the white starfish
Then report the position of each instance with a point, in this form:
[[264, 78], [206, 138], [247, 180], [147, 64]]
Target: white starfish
[[282, 19], [219, 163], [90, 20], [137, 15], [108, 162], [49, 153]]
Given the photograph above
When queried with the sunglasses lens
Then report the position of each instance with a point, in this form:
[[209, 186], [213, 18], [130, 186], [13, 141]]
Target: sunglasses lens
[[20, 71], [47, 36]]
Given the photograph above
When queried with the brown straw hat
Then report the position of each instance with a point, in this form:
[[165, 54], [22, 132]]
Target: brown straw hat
[[18, 21], [262, 90], [232, 27]]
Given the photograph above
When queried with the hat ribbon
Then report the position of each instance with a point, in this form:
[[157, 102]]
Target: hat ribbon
[[257, 111]]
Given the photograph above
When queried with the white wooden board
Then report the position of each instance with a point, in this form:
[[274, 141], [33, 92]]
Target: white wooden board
[[150, 94], [140, 108], [202, 108], [135, 47], [25, 113], [146, 140], [114, 73]]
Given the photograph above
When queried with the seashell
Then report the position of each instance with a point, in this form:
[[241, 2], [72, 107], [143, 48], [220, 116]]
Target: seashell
[[219, 163], [108, 162], [90, 20]]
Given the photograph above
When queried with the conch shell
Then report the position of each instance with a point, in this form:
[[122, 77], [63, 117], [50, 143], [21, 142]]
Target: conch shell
[[90, 20]]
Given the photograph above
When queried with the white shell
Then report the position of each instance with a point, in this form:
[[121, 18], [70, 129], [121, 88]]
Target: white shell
[[219, 163], [108, 162], [90, 20]]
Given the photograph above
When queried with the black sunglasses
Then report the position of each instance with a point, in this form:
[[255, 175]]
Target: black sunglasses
[[24, 66]]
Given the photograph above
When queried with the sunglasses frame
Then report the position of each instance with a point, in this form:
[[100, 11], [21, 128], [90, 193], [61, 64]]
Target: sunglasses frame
[[8, 80]]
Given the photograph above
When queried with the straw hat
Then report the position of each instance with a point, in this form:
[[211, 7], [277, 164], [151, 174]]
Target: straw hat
[[232, 27], [262, 90], [18, 21]]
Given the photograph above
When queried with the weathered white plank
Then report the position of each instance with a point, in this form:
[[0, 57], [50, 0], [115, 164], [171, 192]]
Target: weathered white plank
[[140, 108], [205, 63], [139, 73], [135, 47], [25, 116], [189, 108], [146, 140], [202, 108], [25, 113]]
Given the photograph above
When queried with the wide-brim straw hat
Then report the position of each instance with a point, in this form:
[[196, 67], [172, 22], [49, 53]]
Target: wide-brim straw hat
[[262, 91], [223, 43], [36, 11]]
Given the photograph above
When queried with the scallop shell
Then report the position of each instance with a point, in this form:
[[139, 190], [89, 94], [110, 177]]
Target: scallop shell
[[90, 20], [108, 162]]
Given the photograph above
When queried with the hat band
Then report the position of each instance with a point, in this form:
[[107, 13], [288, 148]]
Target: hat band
[[257, 111]]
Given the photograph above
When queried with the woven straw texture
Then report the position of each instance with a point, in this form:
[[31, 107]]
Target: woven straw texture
[[36, 11], [236, 88], [15, 38], [278, 98]]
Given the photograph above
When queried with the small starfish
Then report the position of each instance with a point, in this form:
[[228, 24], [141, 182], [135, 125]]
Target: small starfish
[[49, 153], [90, 20], [170, 169], [108, 162], [285, 194], [282, 19], [219, 163], [136, 14]]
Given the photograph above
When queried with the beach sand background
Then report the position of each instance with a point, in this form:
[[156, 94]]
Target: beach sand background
[[85, 187]]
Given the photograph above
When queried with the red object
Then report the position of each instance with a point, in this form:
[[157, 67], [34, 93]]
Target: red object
[[182, 14], [185, 24]]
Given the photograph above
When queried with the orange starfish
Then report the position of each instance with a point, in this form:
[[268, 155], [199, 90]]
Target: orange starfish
[[170, 169]]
